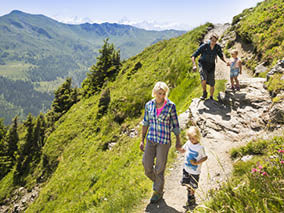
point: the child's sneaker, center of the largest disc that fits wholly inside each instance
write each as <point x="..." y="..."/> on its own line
<point x="233" y="88"/>
<point x="190" y="204"/>
<point x="156" y="197"/>
<point x="238" y="88"/>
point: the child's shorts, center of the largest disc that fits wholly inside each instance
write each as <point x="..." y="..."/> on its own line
<point x="190" y="179"/>
<point x="234" y="73"/>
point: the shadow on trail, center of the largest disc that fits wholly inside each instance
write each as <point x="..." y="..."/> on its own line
<point x="160" y="207"/>
<point x="215" y="108"/>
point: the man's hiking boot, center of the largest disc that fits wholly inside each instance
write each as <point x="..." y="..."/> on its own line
<point x="204" y="96"/>
<point x="211" y="98"/>
<point x="156" y="197"/>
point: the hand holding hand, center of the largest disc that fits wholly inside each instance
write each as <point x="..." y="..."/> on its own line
<point x="141" y="146"/>
<point x="178" y="147"/>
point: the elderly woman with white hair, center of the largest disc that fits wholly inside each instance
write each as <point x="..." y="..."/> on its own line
<point x="160" y="119"/>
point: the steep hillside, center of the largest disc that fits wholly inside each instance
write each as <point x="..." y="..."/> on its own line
<point x="40" y="50"/>
<point x="95" y="165"/>
<point x="262" y="28"/>
<point x="259" y="32"/>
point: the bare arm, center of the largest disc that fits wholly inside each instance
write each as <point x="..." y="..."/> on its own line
<point x="181" y="150"/>
<point x="194" y="162"/>
<point x="240" y="66"/>
<point x="193" y="62"/>
<point x="178" y="145"/>
<point x="144" y="132"/>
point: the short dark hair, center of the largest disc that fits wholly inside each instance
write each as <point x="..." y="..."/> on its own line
<point x="214" y="36"/>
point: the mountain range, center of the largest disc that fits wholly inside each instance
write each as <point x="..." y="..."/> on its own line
<point x="40" y="53"/>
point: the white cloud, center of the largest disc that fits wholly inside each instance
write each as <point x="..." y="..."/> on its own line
<point x="147" y="25"/>
<point x="154" y="25"/>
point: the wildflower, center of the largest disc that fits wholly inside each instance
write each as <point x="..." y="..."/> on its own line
<point x="282" y="161"/>
<point x="264" y="173"/>
<point x="281" y="151"/>
<point x="260" y="167"/>
<point x="253" y="170"/>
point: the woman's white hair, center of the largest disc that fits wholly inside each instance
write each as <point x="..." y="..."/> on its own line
<point x="160" y="85"/>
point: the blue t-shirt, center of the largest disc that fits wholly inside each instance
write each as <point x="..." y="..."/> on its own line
<point x="193" y="152"/>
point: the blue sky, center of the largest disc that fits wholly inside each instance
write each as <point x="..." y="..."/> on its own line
<point x="155" y="14"/>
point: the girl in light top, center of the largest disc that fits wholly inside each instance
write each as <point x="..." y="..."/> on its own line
<point x="235" y="69"/>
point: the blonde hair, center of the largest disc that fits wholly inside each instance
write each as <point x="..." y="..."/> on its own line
<point x="194" y="132"/>
<point x="234" y="51"/>
<point x="160" y="85"/>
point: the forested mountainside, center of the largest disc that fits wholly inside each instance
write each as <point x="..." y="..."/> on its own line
<point x="43" y="52"/>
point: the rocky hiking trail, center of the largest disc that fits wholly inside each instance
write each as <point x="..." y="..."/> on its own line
<point x="232" y="121"/>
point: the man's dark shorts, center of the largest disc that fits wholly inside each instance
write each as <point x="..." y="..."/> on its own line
<point x="207" y="73"/>
<point x="190" y="179"/>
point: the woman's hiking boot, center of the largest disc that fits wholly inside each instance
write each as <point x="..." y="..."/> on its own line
<point x="156" y="197"/>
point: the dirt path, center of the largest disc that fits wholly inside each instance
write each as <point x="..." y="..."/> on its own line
<point x="215" y="170"/>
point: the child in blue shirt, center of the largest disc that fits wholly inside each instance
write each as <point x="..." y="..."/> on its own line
<point x="194" y="157"/>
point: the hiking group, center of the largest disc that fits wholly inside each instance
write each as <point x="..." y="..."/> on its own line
<point x="160" y="119"/>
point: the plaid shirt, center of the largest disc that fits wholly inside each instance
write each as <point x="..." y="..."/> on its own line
<point x="160" y="127"/>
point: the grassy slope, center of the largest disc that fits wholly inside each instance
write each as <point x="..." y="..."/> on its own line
<point x="257" y="185"/>
<point x="263" y="28"/>
<point x="89" y="179"/>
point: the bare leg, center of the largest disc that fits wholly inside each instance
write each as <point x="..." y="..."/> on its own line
<point x="237" y="81"/>
<point x="232" y="82"/>
<point x="203" y="83"/>
<point x="211" y="91"/>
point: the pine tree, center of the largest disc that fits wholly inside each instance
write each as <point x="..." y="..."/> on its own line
<point x="28" y="147"/>
<point x="38" y="136"/>
<point x="13" y="139"/>
<point x="62" y="100"/>
<point x="26" y="151"/>
<point x="5" y="161"/>
<point x="3" y="129"/>
<point x="65" y="97"/>
<point x="106" y="69"/>
<point x="8" y="147"/>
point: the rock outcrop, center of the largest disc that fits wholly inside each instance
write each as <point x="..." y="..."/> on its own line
<point x="236" y="115"/>
<point x="20" y="199"/>
<point x="278" y="68"/>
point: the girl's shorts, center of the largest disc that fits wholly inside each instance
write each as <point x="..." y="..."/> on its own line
<point x="234" y="73"/>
